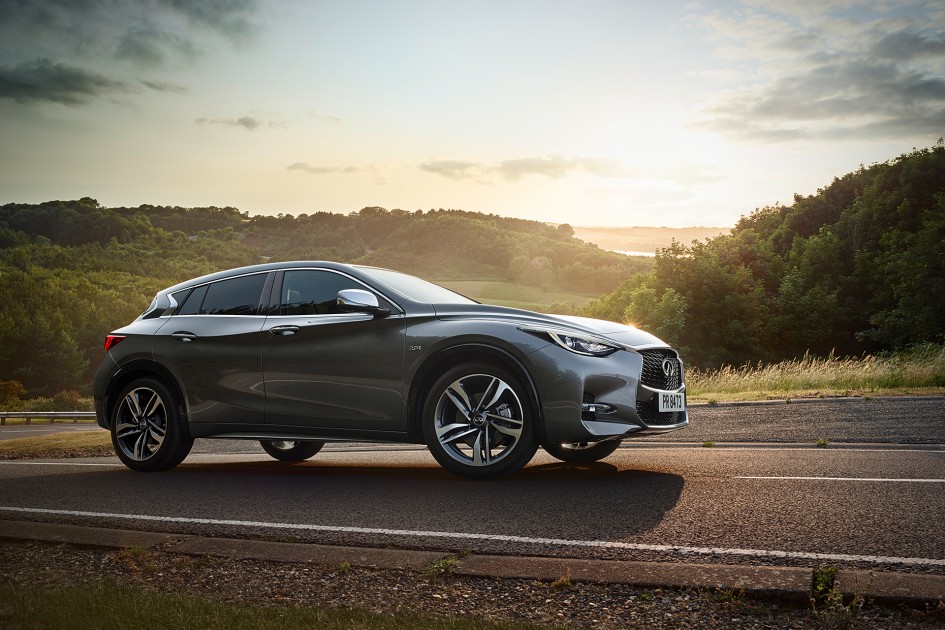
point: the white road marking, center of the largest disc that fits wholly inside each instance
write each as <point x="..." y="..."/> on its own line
<point x="678" y="549"/>
<point x="870" y="479"/>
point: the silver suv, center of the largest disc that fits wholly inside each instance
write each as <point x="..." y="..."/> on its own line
<point x="295" y="354"/>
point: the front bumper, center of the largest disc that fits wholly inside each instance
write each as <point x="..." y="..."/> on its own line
<point x="591" y="399"/>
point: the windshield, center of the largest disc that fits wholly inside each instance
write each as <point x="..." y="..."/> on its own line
<point x="416" y="289"/>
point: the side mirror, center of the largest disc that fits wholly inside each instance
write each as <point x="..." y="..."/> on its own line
<point x="359" y="301"/>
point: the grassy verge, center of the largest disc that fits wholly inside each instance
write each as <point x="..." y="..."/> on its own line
<point x="918" y="371"/>
<point x="71" y="444"/>
<point x="107" y="605"/>
<point x="40" y="419"/>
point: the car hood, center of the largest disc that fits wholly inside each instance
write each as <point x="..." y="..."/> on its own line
<point x="626" y="335"/>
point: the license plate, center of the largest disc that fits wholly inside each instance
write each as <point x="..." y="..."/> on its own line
<point x="671" y="401"/>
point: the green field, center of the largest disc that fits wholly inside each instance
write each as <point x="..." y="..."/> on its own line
<point x="105" y="605"/>
<point x="512" y="294"/>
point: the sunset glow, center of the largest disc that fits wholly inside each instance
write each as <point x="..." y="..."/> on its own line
<point x="592" y="113"/>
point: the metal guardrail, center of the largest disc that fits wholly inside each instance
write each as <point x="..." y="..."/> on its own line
<point x="52" y="416"/>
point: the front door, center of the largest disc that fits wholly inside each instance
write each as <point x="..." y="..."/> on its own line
<point x="328" y="369"/>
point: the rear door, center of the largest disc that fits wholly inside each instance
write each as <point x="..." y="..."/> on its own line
<point x="328" y="369"/>
<point x="214" y="346"/>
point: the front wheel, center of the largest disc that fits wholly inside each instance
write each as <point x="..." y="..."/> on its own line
<point x="147" y="431"/>
<point x="582" y="452"/>
<point x="477" y="422"/>
<point x="291" y="450"/>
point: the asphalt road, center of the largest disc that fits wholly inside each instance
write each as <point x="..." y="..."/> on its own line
<point x="874" y="498"/>
<point x="894" y="420"/>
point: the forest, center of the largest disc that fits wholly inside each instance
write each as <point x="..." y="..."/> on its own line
<point x="71" y="271"/>
<point x="858" y="267"/>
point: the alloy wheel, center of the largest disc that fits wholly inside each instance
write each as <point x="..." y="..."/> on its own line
<point x="141" y="424"/>
<point x="478" y="420"/>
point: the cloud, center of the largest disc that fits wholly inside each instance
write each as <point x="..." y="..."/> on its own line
<point x="250" y="123"/>
<point x="843" y="69"/>
<point x="152" y="47"/>
<point x="554" y="167"/>
<point x="44" y="80"/>
<point x="305" y="167"/>
<point x="908" y="45"/>
<point x="165" y="86"/>
<point x="452" y="169"/>
<point x="231" y="18"/>
<point x="146" y="33"/>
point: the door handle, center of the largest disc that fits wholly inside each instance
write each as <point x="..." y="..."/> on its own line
<point x="284" y="331"/>
<point x="184" y="336"/>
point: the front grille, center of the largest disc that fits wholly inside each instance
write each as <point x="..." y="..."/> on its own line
<point x="654" y="376"/>
<point x="649" y="412"/>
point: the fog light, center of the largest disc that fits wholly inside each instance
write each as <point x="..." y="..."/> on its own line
<point x="598" y="408"/>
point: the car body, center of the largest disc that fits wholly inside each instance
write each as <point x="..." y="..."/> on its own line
<point x="294" y="354"/>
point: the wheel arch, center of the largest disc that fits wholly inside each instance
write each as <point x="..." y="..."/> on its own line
<point x="142" y="368"/>
<point x="438" y="362"/>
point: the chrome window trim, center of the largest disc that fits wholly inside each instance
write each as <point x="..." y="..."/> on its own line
<point x="256" y="273"/>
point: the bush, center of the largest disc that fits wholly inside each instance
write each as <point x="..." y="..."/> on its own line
<point x="11" y="394"/>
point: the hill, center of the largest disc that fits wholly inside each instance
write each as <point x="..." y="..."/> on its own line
<point x="70" y="271"/>
<point x="858" y="267"/>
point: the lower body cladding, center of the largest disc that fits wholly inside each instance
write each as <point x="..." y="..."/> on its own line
<point x="592" y="399"/>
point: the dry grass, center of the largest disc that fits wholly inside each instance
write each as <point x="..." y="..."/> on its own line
<point x="66" y="444"/>
<point x="920" y="370"/>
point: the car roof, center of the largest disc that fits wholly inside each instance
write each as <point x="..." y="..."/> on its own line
<point x="240" y="271"/>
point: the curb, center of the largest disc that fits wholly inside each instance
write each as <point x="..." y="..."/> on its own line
<point x="792" y="583"/>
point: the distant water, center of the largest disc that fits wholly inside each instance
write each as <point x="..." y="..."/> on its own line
<point x="633" y="253"/>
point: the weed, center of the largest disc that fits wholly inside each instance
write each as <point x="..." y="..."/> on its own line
<point x="827" y="600"/>
<point x="729" y="595"/>
<point x="713" y="402"/>
<point x="440" y="568"/>
<point x="564" y="581"/>
<point x="822" y="443"/>
<point x="344" y="567"/>
<point x="708" y="444"/>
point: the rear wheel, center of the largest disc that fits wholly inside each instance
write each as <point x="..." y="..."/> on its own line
<point x="147" y="431"/>
<point x="477" y="422"/>
<point x="582" y="452"/>
<point x="291" y="450"/>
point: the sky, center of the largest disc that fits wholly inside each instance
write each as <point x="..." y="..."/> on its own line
<point x="589" y="112"/>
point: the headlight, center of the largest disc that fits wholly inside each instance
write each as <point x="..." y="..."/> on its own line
<point x="583" y="345"/>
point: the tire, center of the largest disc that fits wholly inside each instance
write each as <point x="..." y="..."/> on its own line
<point x="291" y="450"/>
<point x="473" y="440"/>
<point x="582" y="453"/>
<point x="148" y="433"/>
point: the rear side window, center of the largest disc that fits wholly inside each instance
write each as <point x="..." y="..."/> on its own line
<point x="237" y="296"/>
<point x="191" y="305"/>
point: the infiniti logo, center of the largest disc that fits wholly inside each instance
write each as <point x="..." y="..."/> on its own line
<point x="670" y="368"/>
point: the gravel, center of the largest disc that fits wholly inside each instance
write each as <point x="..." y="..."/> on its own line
<point x="389" y="592"/>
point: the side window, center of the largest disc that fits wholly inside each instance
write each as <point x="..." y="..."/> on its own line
<point x="238" y="296"/>
<point x="313" y="292"/>
<point x="191" y="305"/>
